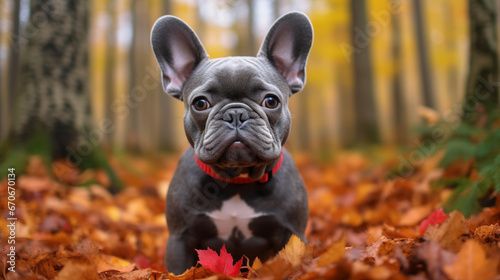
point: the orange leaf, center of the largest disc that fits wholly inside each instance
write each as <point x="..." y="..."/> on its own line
<point x="112" y="263"/>
<point x="294" y="250"/>
<point x="256" y="264"/>
<point x="194" y="272"/>
<point x="78" y="271"/>
<point x="276" y="268"/>
<point x="333" y="254"/>
<point x="472" y="264"/>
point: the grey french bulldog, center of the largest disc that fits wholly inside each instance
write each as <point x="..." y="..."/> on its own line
<point x="236" y="185"/>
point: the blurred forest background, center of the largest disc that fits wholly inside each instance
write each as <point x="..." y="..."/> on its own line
<point x="377" y="69"/>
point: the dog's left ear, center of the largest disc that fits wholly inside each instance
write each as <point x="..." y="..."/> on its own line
<point x="287" y="45"/>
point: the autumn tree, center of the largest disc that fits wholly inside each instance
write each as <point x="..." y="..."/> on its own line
<point x="364" y="100"/>
<point x="53" y="113"/>
<point x="482" y="83"/>
<point x="423" y="53"/>
<point x="474" y="143"/>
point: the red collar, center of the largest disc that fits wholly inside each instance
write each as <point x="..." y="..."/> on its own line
<point x="239" y="180"/>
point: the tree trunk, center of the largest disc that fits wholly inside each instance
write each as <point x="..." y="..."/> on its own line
<point x="399" y="116"/>
<point x="53" y="95"/>
<point x="250" y="29"/>
<point x="481" y="96"/>
<point x="366" y="117"/>
<point x="110" y="62"/>
<point x="243" y="27"/>
<point x="167" y="105"/>
<point x="425" y="69"/>
<point x="8" y="99"/>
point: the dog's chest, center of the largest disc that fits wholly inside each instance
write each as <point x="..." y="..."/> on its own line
<point x="234" y="213"/>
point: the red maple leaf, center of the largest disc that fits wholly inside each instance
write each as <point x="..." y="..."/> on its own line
<point x="436" y="218"/>
<point x="222" y="264"/>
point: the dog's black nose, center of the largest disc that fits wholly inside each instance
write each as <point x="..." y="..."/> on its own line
<point x="236" y="116"/>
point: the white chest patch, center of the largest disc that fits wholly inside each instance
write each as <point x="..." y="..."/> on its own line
<point x="233" y="213"/>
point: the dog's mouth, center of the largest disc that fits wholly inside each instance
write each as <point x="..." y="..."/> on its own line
<point x="238" y="140"/>
<point x="237" y="155"/>
<point x="239" y="160"/>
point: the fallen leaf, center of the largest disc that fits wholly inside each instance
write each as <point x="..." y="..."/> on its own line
<point x="36" y="167"/>
<point x="294" y="250"/>
<point x="487" y="234"/>
<point x="472" y="264"/>
<point x="222" y="264"/>
<point x="192" y="273"/>
<point x="276" y="269"/>
<point x="78" y="271"/>
<point x="34" y="184"/>
<point x="436" y="218"/>
<point x="435" y="258"/>
<point x="450" y="234"/>
<point x="257" y="264"/>
<point x="143" y="274"/>
<point x="333" y="254"/>
<point x="112" y="263"/>
<point x="363" y="271"/>
<point x="415" y="215"/>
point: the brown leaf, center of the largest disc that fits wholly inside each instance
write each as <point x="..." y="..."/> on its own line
<point x="194" y="272"/>
<point x="435" y="258"/>
<point x="333" y="254"/>
<point x="36" y="167"/>
<point x="472" y="264"/>
<point x="363" y="271"/>
<point x="141" y="274"/>
<point x="65" y="172"/>
<point x="276" y="269"/>
<point x="46" y="266"/>
<point x="112" y="263"/>
<point x="78" y="271"/>
<point x="450" y="234"/>
<point x="34" y="184"/>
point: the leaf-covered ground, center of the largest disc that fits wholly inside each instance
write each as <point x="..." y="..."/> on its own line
<point x="361" y="225"/>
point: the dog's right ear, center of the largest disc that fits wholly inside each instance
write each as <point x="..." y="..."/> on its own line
<point x="178" y="51"/>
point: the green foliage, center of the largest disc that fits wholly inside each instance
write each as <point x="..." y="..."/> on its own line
<point x="492" y="174"/>
<point x="458" y="149"/>
<point x="17" y="156"/>
<point x="465" y="197"/>
<point x="483" y="146"/>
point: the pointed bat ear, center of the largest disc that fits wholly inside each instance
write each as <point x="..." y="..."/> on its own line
<point x="287" y="45"/>
<point x="178" y="52"/>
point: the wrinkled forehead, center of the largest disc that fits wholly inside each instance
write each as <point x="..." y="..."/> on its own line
<point x="237" y="75"/>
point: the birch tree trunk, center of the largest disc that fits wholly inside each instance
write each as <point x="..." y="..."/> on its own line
<point x="53" y="95"/>
<point x="481" y="95"/>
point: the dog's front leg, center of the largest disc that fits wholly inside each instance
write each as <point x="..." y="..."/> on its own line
<point x="178" y="257"/>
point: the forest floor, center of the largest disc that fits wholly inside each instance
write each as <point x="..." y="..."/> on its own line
<point x="361" y="225"/>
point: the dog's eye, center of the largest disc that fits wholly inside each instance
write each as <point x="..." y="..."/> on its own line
<point x="270" y="102"/>
<point x="201" y="104"/>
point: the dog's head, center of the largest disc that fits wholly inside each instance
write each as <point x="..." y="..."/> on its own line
<point x="236" y="108"/>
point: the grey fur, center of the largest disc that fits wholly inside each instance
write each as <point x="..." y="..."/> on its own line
<point x="235" y="135"/>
